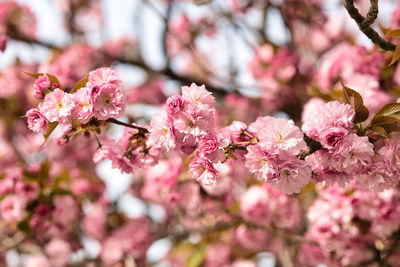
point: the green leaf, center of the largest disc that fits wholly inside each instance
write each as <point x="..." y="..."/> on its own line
<point x="53" y="79"/>
<point x="396" y="55"/>
<point x="354" y="99"/>
<point x="197" y="257"/>
<point x="80" y="84"/>
<point x="380" y="131"/>
<point x="389" y="109"/>
<point x="52" y="126"/>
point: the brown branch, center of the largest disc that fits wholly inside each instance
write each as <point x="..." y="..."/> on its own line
<point x="364" y="24"/>
<point x="371" y="15"/>
<point x="141" y="129"/>
<point x="218" y="91"/>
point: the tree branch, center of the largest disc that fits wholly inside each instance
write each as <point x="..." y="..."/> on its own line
<point x="218" y="91"/>
<point x="364" y="24"/>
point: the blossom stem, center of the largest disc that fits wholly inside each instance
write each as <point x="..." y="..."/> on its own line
<point x="98" y="141"/>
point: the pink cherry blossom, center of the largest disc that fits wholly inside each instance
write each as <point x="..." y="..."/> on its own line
<point x="37" y="122"/>
<point x="12" y="208"/>
<point x="284" y="172"/>
<point x="198" y="95"/>
<point x="162" y="132"/>
<point x="203" y="170"/>
<point x="37" y="260"/>
<point x="84" y="107"/>
<point x="58" y="251"/>
<point x="281" y="135"/>
<point x="175" y="104"/>
<point x="109" y="102"/>
<point x="101" y="76"/>
<point x="57" y="106"/>
<point x="42" y="82"/>
<point x="255" y="205"/>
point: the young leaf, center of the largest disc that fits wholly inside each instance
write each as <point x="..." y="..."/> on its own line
<point x="54" y="80"/>
<point x="391" y="128"/>
<point x="380" y="131"/>
<point x="355" y="100"/>
<point x="389" y="109"/>
<point x="80" y="84"/>
<point x="52" y="126"/>
<point x="34" y="75"/>
<point x="396" y="55"/>
<point x="393" y="33"/>
<point x="379" y="120"/>
<point x="362" y="114"/>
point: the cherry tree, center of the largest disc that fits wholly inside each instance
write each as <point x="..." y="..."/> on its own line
<point x="237" y="143"/>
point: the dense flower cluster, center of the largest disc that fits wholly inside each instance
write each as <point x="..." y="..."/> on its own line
<point x="187" y="123"/>
<point x="101" y="98"/>
<point x="232" y="144"/>
<point x="346" y="224"/>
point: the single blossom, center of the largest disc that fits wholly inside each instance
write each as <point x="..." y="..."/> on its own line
<point x="198" y="95"/>
<point x="84" y="107"/>
<point x="37" y="260"/>
<point x="208" y="146"/>
<point x="109" y="102"/>
<point x="12" y="208"/>
<point x="58" y="251"/>
<point x="101" y="76"/>
<point x="203" y="170"/>
<point x="37" y="122"/>
<point x="175" y="104"/>
<point x="280" y="134"/>
<point x="255" y="205"/>
<point x="29" y="191"/>
<point x="162" y="131"/>
<point x="57" y="106"/>
<point x="331" y="137"/>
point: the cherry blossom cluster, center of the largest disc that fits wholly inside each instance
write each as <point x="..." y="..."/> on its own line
<point x="101" y="99"/>
<point x="273" y="149"/>
<point x="345" y="155"/>
<point x="346" y="223"/>
<point x="186" y="124"/>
